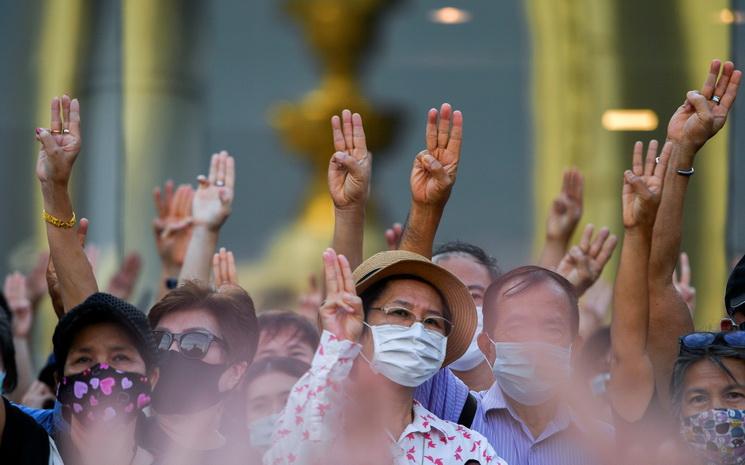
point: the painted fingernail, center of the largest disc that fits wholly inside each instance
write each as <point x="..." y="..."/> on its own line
<point x="38" y="130"/>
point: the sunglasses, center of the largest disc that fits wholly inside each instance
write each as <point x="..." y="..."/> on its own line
<point x="703" y="340"/>
<point x="192" y="344"/>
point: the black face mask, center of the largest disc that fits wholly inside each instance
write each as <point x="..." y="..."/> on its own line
<point x="186" y="385"/>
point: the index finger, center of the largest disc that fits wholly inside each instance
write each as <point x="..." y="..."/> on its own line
<point x="584" y="243"/>
<point x="597" y="244"/>
<point x="607" y="251"/>
<point x="56" y="123"/>
<point x="637" y="166"/>
<point x="339" y="144"/>
<point x="431" y="130"/>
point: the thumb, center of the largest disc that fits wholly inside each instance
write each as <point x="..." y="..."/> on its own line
<point x="83" y="231"/>
<point x="434" y="167"/>
<point x="699" y="102"/>
<point x="47" y="140"/>
<point x="638" y="185"/>
<point x="348" y="162"/>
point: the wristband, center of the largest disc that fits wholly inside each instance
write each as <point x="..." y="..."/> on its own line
<point x="58" y="223"/>
<point x="686" y="173"/>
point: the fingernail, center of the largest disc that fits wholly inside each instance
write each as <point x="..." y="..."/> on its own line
<point x="38" y="130"/>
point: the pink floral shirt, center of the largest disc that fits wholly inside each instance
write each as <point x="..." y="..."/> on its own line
<point x="305" y="435"/>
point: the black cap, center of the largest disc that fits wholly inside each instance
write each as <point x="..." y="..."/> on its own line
<point x="104" y="308"/>
<point x="734" y="297"/>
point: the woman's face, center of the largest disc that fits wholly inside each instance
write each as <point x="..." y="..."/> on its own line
<point x="706" y="386"/>
<point x="103" y="343"/>
<point x="190" y="320"/>
<point x="267" y="395"/>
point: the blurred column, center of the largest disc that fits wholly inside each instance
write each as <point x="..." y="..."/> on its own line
<point x="735" y="211"/>
<point x="162" y="114"/>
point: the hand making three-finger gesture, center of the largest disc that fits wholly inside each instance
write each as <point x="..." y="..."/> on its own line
<point x="341" y="312"/>
<point x="642" y="186"/>
<point x="351" y="165"/>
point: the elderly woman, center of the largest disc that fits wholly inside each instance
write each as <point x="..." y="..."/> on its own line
<point x="708" y="394"/>
<point x="386" y="330"/>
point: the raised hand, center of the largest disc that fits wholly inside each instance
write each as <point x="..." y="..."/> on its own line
<point x="173" y="225"/>
<point x="38" y="396"/>
<point x="642" y="186"/>
<point x="393" y="236"/>
<point x="61" y="143"/>
<point x="435" y="168"/>
<point x="213" y="199"/>
<point x="36" y="283"/>
<point x="341" y="313"/>
<point x="683" y="283"/>
<point x="223" y="268"/>
<point x="16" y="294"/>
<point x="701" y="116"/>
<point x="310" y="301"/>
<point x="351" y="165"/>
<point x="584" y="263"/>
<point x="566" y="209"/>
<point x="124" y="280"/>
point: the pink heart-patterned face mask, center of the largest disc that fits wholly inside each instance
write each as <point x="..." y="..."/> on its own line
<point x="103" y="394"/>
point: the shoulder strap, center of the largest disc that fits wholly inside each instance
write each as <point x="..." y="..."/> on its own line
<point x="468" y="412"/>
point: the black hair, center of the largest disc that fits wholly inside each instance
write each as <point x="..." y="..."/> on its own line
<point x="287" y="365"/>
<point x="8" y="355"/>
<point x="715" y="353"/>
<point x="274" y="322"/>
<point x="459" y="248"/>
<point x="372" y="293"/>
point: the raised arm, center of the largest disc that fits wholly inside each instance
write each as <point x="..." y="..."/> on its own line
<point x="349" y="184"/>
<point x="19" y="304"/>
<point x="211" y="206"/>
<point x="583" y="263"/>
<point x="60" y="146"/>
<point x="172" y="228"/>
<point x="563" y="218"/>
<point x="632" y="377"/>
<point x="432" y="179"/>
<point x="695" y="122"/>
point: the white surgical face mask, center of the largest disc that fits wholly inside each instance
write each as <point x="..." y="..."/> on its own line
<point x="516" y="370"/>
<point x="408" y="356"/>
<point x="260" y="432"/>
<point x="473" y="356"/>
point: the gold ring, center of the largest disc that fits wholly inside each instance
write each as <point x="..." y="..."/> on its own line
<point x="56" y="131"/>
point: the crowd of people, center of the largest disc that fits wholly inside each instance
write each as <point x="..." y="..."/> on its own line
<point x="419" y="354"/>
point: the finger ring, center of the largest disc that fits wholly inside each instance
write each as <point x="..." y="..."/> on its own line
<point x="65" y="131"/>
<point x="56" y="131"/>
<point x="716" y="99"/>
<point x="220" y="183"/>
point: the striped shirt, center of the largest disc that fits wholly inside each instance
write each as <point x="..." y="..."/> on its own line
<point x="559" y="444"/>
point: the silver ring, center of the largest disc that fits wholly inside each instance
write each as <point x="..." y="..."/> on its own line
<point x="657" y="161"/>
<point x="220" y="183"/>
<point x="716" y="99"/>
<point x="65" y="131"/>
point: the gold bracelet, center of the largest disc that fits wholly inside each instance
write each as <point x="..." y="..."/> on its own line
<point x="58" y="223"/>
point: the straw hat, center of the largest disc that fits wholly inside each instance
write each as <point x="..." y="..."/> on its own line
<point x="400" y="262"/>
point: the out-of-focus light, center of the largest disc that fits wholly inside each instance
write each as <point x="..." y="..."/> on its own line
<point x="630" y="120"/>
<point x="450" y="15"/>
<point x="727" y="16"/>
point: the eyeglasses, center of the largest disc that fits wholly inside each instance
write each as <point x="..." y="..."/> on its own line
<point x="397" y="315"/>
<point x="193" y="344"/>
<point x="703" y="340"/>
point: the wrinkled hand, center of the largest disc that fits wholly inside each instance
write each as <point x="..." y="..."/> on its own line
<point x="700" y="118"/>
<point x="584" y="263"/>
<point x="566" y="209"/>
<point x="213" y="199"/>
<point x="173" y="225"/>
<point x="124" y="280"/>
<point x="341" y="313"/>
<point x="53" y="285"/>
<point x="16" y="294"/>
<point x="435" y="168"/>
<point x="36" y="283"/>
<point x="683" y="284"/>
<point x="38" y="395"/>
<point x="393" y="236"/>
<point x="223" y="267"/>
<point x="642" y="186"/>
<point x="61" y="143"/>
<point x="350" y="167"/>
<point x="310" y="301"/>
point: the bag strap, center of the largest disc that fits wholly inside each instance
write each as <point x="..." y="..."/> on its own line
<point x="468" y="412"/>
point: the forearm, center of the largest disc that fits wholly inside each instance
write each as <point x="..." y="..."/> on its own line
<point x="553" y="251"/>
<point x="421" y="228"/>
<point x="349" y="228"/>
<point x="198" y="260"/>
<point x="74" y="271"/>
<point x="25" y="369"/>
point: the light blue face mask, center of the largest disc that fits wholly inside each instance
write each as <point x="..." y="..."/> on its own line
<point x="2" y="381"/>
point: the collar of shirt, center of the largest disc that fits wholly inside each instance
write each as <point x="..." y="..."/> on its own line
<point x="494" y="399"/>
<point x="423" y="422"/>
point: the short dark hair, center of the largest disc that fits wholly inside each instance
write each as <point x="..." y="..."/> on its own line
<point x="8" y="354"/>
<point x="523" y="278"/>
<point x="287" y="365"/>
<point x="231" y="306"/>
<point x="372" y="293"/>
<point x="274" y="322"/>
<point x="459" y="248"/>
<point x="686" y="359"/>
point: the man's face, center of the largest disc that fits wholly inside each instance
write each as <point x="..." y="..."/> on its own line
<point x="419" y="298"/>
<point x="286" y="343"/>
<point x="103" y="343"/>
<point x="268" y="394"/>
<point x="706" y="386"/>
<point x="471" y="273"/>
<point x="540" y="313"/>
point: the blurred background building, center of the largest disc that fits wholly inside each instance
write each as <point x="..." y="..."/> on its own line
<point x="543" y="85"/>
